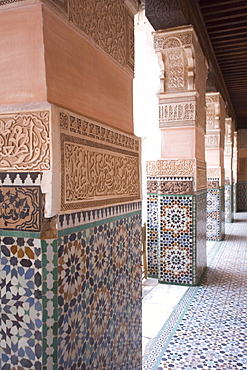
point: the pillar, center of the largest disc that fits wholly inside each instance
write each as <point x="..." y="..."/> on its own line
<point x="235" y="170"/>
<point x="228" y="160"/>
<point x="242" y="171"/>
<point x="214" y="146"/>
<point x="176" y="182"/>
<point x="70" y="219"/>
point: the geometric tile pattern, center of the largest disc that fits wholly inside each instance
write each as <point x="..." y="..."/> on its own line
<point x="99" y="297"/>
<point x="215" y="209"/>
<point x="152" y="234"/>
<point x="228" y="203"/>
<point x="241" y="196"/>
<point x="20" y="208"/>
<point x="50" y="303"/>
<point x="200" y="249"/>
<point x="21" y="303"/>
<point x="176" y="239"/>
<point x="208" y="329"/>
<point x="73" y="302"/>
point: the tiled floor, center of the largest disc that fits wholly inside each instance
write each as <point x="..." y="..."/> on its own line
<point x="207" y="327"/>
<point x="159" y="301"/>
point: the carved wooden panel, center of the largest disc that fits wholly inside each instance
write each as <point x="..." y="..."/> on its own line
<point x="25" y="141"/>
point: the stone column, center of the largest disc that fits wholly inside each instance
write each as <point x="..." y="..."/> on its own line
<point x="214" y="146"/>
<point x="177" y="182"/>
<point x="235" y="170"/>
<point x="242" y="171"/>
<point x="70" y="198"/>
<point x="228" y="162"/>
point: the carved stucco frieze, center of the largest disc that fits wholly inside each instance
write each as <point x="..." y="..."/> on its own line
<point x="212" y="141"/>
<point x="100" y="165"/>
<point x="109" y="25"/>
<point x="201" y="178"/>
<point x="213" y="183"/>
<point x="25" y="141"/>
<point x="213" y="172"/>
<point x="87" y="128"/>
<point x="170" y="186"/>
<point x="168" y="42"/>
<point x="179" y="167"/>
<point x="183" y="113"/>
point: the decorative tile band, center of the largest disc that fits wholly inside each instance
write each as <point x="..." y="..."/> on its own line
<point x="20" y="208"/>
<point x="84" y="217"/>
<point x="20" y="178"/>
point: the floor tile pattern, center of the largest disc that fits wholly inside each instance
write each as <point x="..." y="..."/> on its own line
<point x="152" y="235"/>
<point x="228" y="203"/>
<point x="241" y="196"/>
<point x="208" y="328"/>
<point x="214" y="214"/>
<point x="21" y="303"/>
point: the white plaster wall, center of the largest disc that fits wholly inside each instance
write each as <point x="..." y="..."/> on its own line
<point x="146" y="106"/>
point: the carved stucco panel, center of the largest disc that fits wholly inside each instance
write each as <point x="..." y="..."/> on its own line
<point x="179" y="167"/>
<point x="25" y="141"/>
<point x="107" y="24"/>
<point x="201" y="178"/>
<point x="212" y="141"/>
<point x="95" y="174"/>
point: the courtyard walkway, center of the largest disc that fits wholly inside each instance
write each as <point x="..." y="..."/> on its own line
<point x="204" y="327"/>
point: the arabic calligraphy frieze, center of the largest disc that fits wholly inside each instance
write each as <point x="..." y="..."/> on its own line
<point x="94" y="174"/>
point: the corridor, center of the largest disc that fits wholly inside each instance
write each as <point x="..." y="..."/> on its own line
<point x="207" y="328"/>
